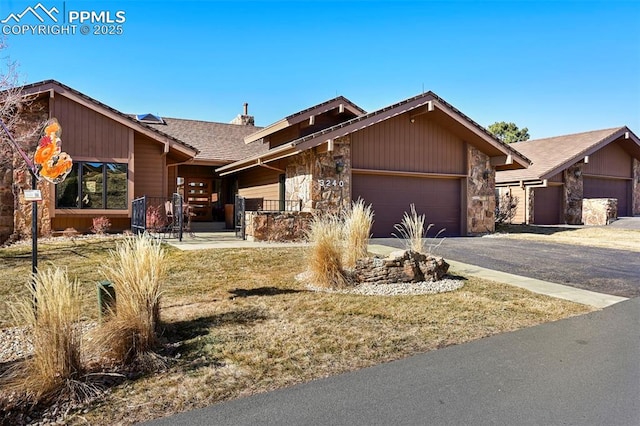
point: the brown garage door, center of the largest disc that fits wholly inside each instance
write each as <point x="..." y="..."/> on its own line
<point x="547" y="205"/>
<point x="610" y="188"/>
<point x="391" y="196"/>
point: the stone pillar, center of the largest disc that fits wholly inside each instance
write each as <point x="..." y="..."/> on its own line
<point x="27" y="132"/>
<point x="573" y="194"/>
<point x="6" y="202"/>
<point x="481" y="200"/>
<point x="636" y="187"/>
<point x="313" y="177"/>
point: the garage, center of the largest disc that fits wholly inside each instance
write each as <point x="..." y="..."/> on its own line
<point x="547" y="204"/>
<point x="391" y="196"/>
<point x="610" y="188"/>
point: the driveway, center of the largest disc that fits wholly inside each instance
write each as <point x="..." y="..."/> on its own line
<point x="615" y="272"/>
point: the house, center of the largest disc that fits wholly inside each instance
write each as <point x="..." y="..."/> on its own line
<point x="568" y="169"/>
<point x="420" y="151"/>
<point x="118" y="157"/>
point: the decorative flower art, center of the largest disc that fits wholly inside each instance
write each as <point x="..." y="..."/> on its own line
<point x="50" y="163"/>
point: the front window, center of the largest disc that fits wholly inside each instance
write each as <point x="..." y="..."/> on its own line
<point x="93" y="185"/>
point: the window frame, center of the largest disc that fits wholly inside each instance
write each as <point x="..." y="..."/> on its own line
<point x="78" y="207"/>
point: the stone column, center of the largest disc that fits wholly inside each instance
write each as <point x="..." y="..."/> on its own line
<point x="481" y="200"/>
<point x="573" y="194"/>
<point x="332" y="177"/>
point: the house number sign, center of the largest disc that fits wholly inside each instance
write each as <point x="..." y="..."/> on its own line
<point x="328" y="183"/>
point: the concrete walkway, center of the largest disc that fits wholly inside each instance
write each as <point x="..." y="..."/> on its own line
<point x="220" y="240"/>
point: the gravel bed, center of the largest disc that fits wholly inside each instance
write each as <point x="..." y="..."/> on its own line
<point x="396" y="289"/>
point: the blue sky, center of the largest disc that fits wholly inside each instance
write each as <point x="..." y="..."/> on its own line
<point x="555" y="67"/>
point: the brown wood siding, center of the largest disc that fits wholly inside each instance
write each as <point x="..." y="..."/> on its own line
<point x="439" y="199"/>
<point x="89" y="135"/>
<point x="520" y="215"/>
<point x="150" y="168"/>
<point x="398" y="144"/>
<point x="611" y="160"/>
<point x="259" y="182"/>
<point x="610" y="188"/>
<point x="547" y="205"/>
<point x="83" y="224"/>
<point x="556" y="178"/>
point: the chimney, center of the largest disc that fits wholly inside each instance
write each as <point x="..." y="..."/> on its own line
<point x="244" y="119"/>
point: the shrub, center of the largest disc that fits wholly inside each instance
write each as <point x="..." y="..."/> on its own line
<point x="506" y="208"/>
<point x="325" y="260"/>
<point x="155" y="218"/>
<point x="52" y="315"/>
<point x="100" y="225"/>
<point x="358" y="221"/>
<point x="136" y="269"/>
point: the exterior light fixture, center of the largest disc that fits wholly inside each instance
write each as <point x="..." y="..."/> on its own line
<point x="339" y="166"/>
<point x="577" y="173"/>
<point x="486" y="174"/>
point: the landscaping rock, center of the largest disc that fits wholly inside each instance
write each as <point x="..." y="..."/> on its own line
<point x="400" y="267"/>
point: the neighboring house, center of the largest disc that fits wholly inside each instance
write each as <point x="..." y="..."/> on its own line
<point x="421" y="150"/>
<point x="117" y="157"/>
<point x="567" y="169"/>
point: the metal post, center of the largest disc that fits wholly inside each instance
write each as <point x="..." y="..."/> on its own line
<point x="34" y="241"/>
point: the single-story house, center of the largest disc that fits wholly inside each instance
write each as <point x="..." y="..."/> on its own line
<point x="568" y="169"/>
<point x="118" y="157"/>
<point x="420" y="151"/>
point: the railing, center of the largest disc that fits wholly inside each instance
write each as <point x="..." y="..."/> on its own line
<point x="139" y="215"/>
<point x="262" y="205"/>
<point x="165" y="216"/>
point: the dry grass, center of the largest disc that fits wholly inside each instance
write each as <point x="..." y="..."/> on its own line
<point x="136" y="268"/>
<point x="605" y="237"/>
<point x="56" y="362"/>
<point x="358" y="221"/>
<point x="412" y="230"/>
<point x="238" y="323"/>
<point x="324" y="259"/>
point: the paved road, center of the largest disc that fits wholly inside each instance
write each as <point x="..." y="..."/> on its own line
<point x="581" y="371"/>
<point x="609" y="271"/>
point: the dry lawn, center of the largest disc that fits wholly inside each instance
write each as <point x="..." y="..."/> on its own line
<point x="238" y="323"/>
<point x="605" y="237"/>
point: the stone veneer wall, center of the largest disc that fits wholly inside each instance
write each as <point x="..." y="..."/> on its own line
<point x="573" y="193"/>
<point x="312" y="178"/>
<point x="636" y="187"/>
<point x="599" y="211"/>
<point x="481" y="200"/>
<point x="15" y="213"/>
<point x="277" y="226"/>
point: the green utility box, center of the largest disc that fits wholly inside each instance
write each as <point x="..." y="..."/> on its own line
<point x="106" y="299"/>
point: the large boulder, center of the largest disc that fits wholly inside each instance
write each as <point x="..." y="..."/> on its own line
<point x="403" y="266"/>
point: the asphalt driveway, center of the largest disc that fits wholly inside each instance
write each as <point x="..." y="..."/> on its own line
<point x="615" y="272"/>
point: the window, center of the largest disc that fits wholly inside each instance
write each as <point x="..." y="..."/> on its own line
<point x="94" y="186"/>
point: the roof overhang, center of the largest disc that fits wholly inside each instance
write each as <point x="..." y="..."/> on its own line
<point x="336" y="105"/>
<point x="52" y="87"/>
<point x="502" y="156"/>
<point x="623" y="136"/>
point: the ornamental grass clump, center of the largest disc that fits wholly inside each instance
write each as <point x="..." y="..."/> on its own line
<point x="136" y="269"/>
<point x="325" y="254"/>
<point x="358" y="221"/>
<point x="413" y="232"/>
<point x="52" y="316"/>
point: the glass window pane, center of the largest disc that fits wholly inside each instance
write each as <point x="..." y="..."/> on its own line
<point x="67" y="190"/>
<point x="92" y="179"/>
<point x="116" y="186"/>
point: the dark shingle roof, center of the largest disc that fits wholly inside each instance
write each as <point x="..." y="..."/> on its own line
<point x="215" y="141"/>
<point x="550" y="153"/>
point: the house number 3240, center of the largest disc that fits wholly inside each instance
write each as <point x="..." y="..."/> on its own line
<point x="328" y="183"/>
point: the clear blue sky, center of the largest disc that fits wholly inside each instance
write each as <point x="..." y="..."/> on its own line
<point x="554" y="67"/>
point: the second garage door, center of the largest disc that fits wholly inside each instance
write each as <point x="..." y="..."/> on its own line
<point x="391" y="196"/>
<point x="610" y="188"/>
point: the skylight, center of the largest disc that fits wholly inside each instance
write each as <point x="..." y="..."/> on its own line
<point x="149" y="119"/>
